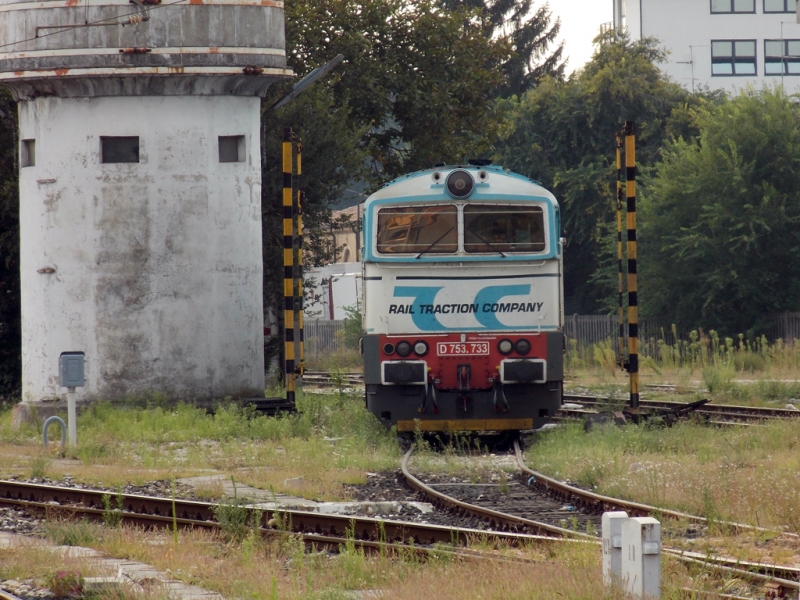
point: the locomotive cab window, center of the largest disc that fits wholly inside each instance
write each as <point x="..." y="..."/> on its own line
<point x="416" y="229"/>
<point x="492" y="228"/>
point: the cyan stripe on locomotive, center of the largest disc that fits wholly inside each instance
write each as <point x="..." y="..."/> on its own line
<point x="463" y="301"/>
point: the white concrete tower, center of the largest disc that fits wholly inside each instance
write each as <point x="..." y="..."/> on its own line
<point x="140" y="191"/>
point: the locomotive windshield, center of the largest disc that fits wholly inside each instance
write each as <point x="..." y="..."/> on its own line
<point x="492" y="228"/>
<point x="415" y="229"/>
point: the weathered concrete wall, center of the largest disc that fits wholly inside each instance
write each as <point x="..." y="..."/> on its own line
<point x="157" y="269"/>
<point x="208" y="47"/>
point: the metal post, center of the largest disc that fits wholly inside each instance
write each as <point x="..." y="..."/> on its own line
<point x="301" y="335"/>
<point x="72" y="418"/>
<point x="633" y="303"/>
<point x="620" y="288"/>
<point x="288" y="266"/>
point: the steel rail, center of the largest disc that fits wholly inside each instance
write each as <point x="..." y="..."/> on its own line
<point x="762" y="572"/>
<point x="733" y="410"/>
<point x="495" y="518"/>
<point x="148" y="511"/>
<point x="587" y="498"/>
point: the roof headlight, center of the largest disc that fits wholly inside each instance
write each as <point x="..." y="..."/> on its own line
<point x="460" y="184"/>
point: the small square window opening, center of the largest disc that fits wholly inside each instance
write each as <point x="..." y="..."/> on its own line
<point x="231" y="148"/>
<point x="27" y="153"/>
<point x="119" y="149"/>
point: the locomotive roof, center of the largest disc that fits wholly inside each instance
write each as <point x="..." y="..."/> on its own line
<point x="498" y="184"/>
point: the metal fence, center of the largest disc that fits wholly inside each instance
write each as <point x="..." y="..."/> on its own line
<point x="591" y="329"/>
<point x="322" y="337"/>
<point x="784" y="326"/>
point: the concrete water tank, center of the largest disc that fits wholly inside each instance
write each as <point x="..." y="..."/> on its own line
<point x="140" y="191"/>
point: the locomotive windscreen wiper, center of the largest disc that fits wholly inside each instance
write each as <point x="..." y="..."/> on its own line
<point x="492" y="246"/>
<point x="439" y="239"/>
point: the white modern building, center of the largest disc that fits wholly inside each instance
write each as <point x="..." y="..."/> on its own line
<point x="720" y="44"/>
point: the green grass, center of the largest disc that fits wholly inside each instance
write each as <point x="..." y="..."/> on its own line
<point x="330" y="441"/>
<point x="742" y="474"/>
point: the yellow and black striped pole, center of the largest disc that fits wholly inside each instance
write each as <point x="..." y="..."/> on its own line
<point x="288" y="267"/>
<point x="633" y="303"/>
<point x="300" y="337"/>
<point x="620" y="288"/>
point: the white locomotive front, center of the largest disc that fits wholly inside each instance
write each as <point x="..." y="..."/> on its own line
<point x="463" y="302"/>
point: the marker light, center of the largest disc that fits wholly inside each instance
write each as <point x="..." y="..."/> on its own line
<point x="505" y="346"/>
<point x="523" y="347"/>
<point x="403" y="348"/>
<point x="388" y="348"/>
<point x="420" y="348"/>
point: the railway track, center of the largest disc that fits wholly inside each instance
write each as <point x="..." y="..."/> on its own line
<point x="331" y="532"/>
<point x="716" y="413"/>
<point x="318" y="530"/>
<point x="591" y="505"/>
<point x="720" y="412"/>
<point x="323" y="379"/>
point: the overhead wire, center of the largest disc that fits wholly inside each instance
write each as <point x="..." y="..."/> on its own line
<point x="110" y="21"/>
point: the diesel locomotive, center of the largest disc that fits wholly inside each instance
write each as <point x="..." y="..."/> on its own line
<point x="463" y="301"/>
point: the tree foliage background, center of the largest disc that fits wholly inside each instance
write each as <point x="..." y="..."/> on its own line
<point x="562" y="133"/>
<point x="720" y="234"/>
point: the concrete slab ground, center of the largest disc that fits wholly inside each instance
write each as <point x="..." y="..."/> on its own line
<point x="267" y="500"/>
<point x="125" y="573"/>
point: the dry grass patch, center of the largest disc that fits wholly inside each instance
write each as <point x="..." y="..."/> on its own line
<point x="331" y="442"/>
<point x="747" y="475"/>
<point x="278" y="567"/>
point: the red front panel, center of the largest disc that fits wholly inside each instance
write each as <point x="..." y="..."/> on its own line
<point x="449" y="353"/>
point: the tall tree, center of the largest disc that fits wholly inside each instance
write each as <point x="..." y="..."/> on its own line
<point x="721" y="220"/>
<point x="422" y="78"/>
<point x="531" y="33"/>
<point x="10" y="319"/>
<point x="417" y="87"/>
<point x="562" y="134"/>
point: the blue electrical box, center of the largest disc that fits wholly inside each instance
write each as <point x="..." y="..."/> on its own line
<point x="70" y="369"/>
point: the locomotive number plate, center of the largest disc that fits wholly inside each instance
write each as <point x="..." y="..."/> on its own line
<point x="462" y="348"/>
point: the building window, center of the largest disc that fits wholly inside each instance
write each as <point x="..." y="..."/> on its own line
<point x="780" y="6"/>
<point x="733" y="57"/>
<point x="231" y="148"/>
<point x="27" y="153"/>
<point x="733" y="6"/>
<point x="119" y="149"/>
<point x="782" y="57"/>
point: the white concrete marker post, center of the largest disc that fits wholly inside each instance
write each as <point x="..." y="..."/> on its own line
<point x="612" y="546"/>
<point x="641" y="557"/>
